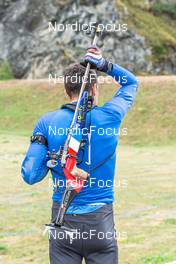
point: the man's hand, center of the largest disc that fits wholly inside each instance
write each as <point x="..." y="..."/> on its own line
<point x="95" y="58"/>
<point x="80" y="174"/>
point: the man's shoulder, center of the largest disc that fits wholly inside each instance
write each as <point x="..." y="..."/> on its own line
<point x="103" y="111"/>
<point x="47" y="116"/>
<point x="43" y="123"/>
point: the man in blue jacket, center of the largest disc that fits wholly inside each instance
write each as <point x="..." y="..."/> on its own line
<point x="91" y="211"/>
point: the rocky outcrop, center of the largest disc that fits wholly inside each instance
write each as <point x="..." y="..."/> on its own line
<point x="34" y="48"/>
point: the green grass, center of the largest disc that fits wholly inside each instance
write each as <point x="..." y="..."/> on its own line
<point x="3" y="249"/>
<point x="160" y="8"/>
<point x="151" y="120"/>
<point x="159" y="31"/>
<point x="5" y="72"/>
<point x="170" y="221"/>
<point x="145" y="212"/>
<point x="156" y="259"/>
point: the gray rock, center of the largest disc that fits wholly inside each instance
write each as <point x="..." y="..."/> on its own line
<point x="34" y="52"/>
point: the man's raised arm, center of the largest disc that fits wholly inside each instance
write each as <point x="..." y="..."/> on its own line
<point x="125" y="96"/>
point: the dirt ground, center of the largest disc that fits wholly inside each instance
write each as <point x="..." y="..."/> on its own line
<point x="45" y="82"/>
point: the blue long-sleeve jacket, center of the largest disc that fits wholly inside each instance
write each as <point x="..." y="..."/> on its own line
<point x="105" y="124"/>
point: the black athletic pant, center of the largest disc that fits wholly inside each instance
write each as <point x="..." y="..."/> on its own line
<point x="95" y="239"/>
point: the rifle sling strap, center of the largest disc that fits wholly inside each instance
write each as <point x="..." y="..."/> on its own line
<point x="72" y="107"/>
<point x="97" y="166"/>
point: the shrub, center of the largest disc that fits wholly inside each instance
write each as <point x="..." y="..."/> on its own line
<point x="5" y="71"/>
<point x="169" y="9"/>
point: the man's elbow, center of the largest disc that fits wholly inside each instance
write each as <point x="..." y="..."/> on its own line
<point x="28" y="176"/>
<point x="133" y="88"/>
<point x="135" y="82"/>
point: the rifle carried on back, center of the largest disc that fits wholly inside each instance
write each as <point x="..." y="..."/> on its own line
<point x="67" y="155"/>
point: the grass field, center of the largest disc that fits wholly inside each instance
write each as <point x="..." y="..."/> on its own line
<point x="145" y="213"/>
<point x="151" y="120"/>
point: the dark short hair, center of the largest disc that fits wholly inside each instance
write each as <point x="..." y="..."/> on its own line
<point x="73" y="78"/>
